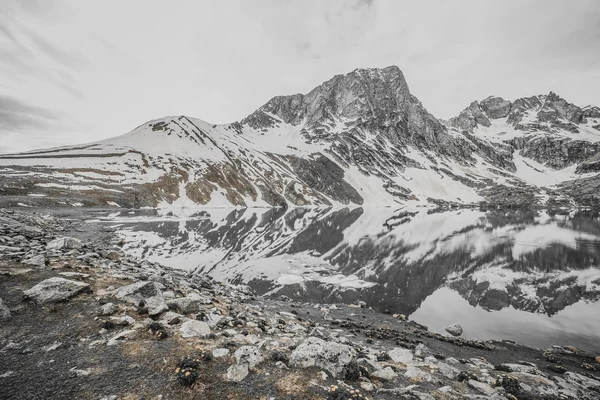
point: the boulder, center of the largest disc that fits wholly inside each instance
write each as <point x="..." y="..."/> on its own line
<point x="145" y="292"/>
<point x="186" y="305"/>
<point x="330" y="356"/>
<point x="4" y="311"/>
<point x="454" y="329"/>
<point x="399" y="355"/>
<point x="65" y="243"/>
<point x="194" y="328"/>
<point x="249" y="355"/>
<point x="55" y="290"/>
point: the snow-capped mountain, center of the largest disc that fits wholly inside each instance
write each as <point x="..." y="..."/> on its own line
<point x="357" y="139"/>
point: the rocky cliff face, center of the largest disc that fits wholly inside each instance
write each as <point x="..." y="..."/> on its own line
<point x="360" y="138"/>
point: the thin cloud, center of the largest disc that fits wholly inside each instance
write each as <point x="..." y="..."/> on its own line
<point x="16" y="115"/>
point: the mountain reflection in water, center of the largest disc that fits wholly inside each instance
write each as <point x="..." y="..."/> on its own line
<point x="528" y="276"/>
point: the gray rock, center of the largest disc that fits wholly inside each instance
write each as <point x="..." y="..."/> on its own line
<point x="127" y="334"/>
<point x="65" y="243"/>
<point x="186" y="305"/>
<point x="315" y="352"/>
<point x="422" y="351"/>
<point x="171" y="318"/>
<point x="55" y="290"/>
<point x="220" y="352"/>
<point x="4" y="311"/>
<point x="400" y="355"/>
<point x="454" y="329"/>
<point x="385" y="374"/>
<point x="237" y="372"/>
<point x="144" y="292"/>
<point x="249" y="355"/>
<point x="36" y="261"/>
<point x="481" y="387"/>
<point x="194" y="328"/>
<point x="108" y="309"/>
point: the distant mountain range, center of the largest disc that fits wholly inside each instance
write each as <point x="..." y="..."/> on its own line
<point x="360" y="139"/>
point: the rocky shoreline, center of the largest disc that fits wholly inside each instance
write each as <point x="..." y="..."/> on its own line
<point x="81" y="319"/>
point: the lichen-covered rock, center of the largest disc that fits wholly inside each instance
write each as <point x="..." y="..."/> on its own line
<point x="55" y="290"/>
<point x="330" y="356"/>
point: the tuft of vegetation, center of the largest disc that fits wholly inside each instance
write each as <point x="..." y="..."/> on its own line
<point x="158" y="330"/>
<point x="188" y="368"/>
<point x="342" y="393"/>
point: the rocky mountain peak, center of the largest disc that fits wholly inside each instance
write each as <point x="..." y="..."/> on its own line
<point x="545" y="112"/>
<point x="364" y="93"/>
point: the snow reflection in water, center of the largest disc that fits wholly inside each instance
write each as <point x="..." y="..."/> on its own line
<point x="528" y="276"/>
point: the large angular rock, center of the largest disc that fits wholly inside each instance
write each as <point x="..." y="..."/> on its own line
<point x="4" y="311"/>
<point x="315" y="352"/>
<point x="194" y="328"/>
<point x="385" y="374"/>
<point x="67" y="243"/>
<point x="237" y="372"/>
<point x="399" y="355"/>
<point x="187" y="305"/>
<point x="55" y="290"/>
<point x="147" y="293"/>
<point x="249" y="355"/>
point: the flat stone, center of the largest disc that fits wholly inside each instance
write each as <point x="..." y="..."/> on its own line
<point x="237" y="372"/>
<point x="221" y="352"/>
<point x="481" y="387"/>
<point x="74" y="275"/>
<point x="454" y="329"/>
<point x="194" y="328"/>
<point x="55" y="290"/>
<point x="385" y="374"/>
<point x="36" y="261"/>
<point x="65" y="243"/>
<point x="400" y="355"/>
<point x="128" y="334"/>
<point x="171" y="318"/>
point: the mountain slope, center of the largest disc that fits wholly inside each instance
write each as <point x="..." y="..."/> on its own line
<point x="358" y="139"/>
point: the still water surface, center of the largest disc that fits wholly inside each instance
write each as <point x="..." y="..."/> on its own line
<point x="527" y="276"/>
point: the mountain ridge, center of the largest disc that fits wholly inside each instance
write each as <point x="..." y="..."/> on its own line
<point x="359" y="139"/>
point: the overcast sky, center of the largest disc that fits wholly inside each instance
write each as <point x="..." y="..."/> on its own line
<point x="74" y="71"/>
